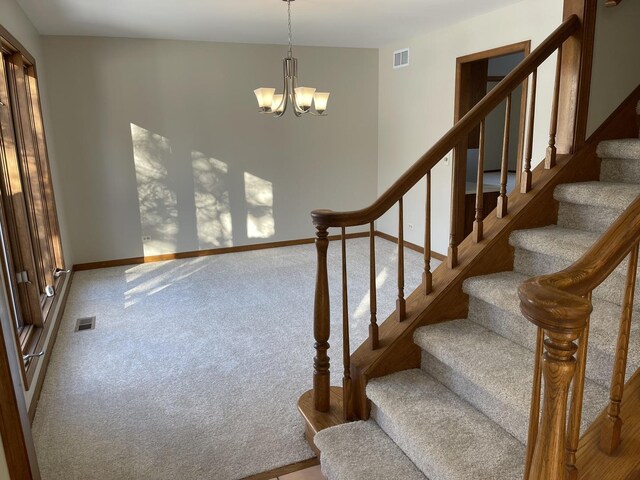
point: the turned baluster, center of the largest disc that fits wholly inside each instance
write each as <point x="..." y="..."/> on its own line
<point x="373" y="326"/>
<point x="550" y="158"/>
<point x="534" y="411"/>
<point x="401" y="303"/>
<point x="502" y="208"/>
<point x="478" y="222"/>
<point x="427" y="278"/>
<point x="611" y="430"/>
<point x="525" y="182"/>
<point x="457" y="202"/>
<point x="346" y="350"/>
<point x="558" y="368"/>
<point x="575" y="411"/>
<point x="321" y="325"/>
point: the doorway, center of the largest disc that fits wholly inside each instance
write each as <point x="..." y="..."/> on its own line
<point x="476" y="75"/>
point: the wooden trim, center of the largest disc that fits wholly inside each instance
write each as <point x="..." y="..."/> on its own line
<point x="278" y="472"/>
<point x="18" y="231"/>
<point x="45" y="168"/>
<point x="14" y="419"/>
<point x="205" y="253"/>
<point x="11" y="44"/>
<point x="55" y="324"/>
<point x="16" y="437"/>
<point x="29" y="180"/>
<point x="497" y="52"/>
<point x="462" y="105"/>
<point x="410" y="246"/>
<point x="575" y="82"/>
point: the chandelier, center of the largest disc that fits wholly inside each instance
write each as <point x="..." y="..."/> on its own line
<point x="301" y="98"/>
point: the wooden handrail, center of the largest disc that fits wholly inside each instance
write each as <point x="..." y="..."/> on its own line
<point x="329" y="218"/>
<point x="556" y="302"/>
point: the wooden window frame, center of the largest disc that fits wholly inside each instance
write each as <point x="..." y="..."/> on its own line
<point x="22" y="120"/>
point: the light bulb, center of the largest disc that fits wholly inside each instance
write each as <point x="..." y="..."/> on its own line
<point x="265" y="98"/>
<point x="320" y="100"/>
<point x="278" y="104"/>
<point x="304" y="97"/>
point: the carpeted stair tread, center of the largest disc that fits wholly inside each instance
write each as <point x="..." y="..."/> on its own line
<point x="616" y="196"/>
<point x="443" y="435"/>
<point x="492" y="373"/>
<point x="625" y="149"/>
<point x="494" y="304"/>
<point x="554" y="241"/>
<point x="362" y="451"/>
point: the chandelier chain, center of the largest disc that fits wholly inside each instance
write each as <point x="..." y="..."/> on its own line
<point x="290" y="34"/>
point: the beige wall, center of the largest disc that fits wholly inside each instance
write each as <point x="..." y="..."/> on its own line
<point x="416" y="102"/>
<point x="162" y="139"/>
<point x="616" y="59"/>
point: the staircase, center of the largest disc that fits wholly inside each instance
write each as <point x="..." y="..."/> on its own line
<point x="465" y="413"/>
<point x="510" y="359"/>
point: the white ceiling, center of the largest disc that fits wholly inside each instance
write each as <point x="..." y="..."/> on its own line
<point x="345" y="23"/>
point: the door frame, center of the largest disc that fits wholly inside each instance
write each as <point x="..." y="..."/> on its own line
<point x="462" y="104"/>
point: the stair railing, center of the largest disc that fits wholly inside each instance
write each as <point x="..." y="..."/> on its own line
<point x="560" y="306"/>
<point x="421" y="171"/>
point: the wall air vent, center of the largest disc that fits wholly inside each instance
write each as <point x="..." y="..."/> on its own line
<point x="401" y="58"/>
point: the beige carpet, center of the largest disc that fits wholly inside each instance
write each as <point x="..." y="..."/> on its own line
<point x="195" y="366"/>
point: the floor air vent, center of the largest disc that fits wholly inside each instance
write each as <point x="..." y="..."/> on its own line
<point x="87" y="323"/>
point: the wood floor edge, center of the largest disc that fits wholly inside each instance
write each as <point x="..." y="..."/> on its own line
<point x="205" y="253"/>
<point x="277" y="472"/>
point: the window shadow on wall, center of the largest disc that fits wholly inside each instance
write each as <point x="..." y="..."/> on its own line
<point x="215" y="212"/>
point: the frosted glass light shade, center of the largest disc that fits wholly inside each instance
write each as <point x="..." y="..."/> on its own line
<point x="304" y="97"/>
<point x="278" y="104"/>
<point x="321" y="99"/>
<point x="265" y="97"/>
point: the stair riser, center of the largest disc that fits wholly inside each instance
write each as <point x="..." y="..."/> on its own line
<point x="620" y="171"/>
<point x="534" y="264"/>
<point x="510" y="326"/>
<point x="516" y="329"/>
<point x="410" y="450"/>
<point x="512" y="420"/>
<point x="586" y="217"/>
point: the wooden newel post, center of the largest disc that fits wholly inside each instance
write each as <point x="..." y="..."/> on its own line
<point x="321" y="326"/>
<point x="558" y="368"/>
